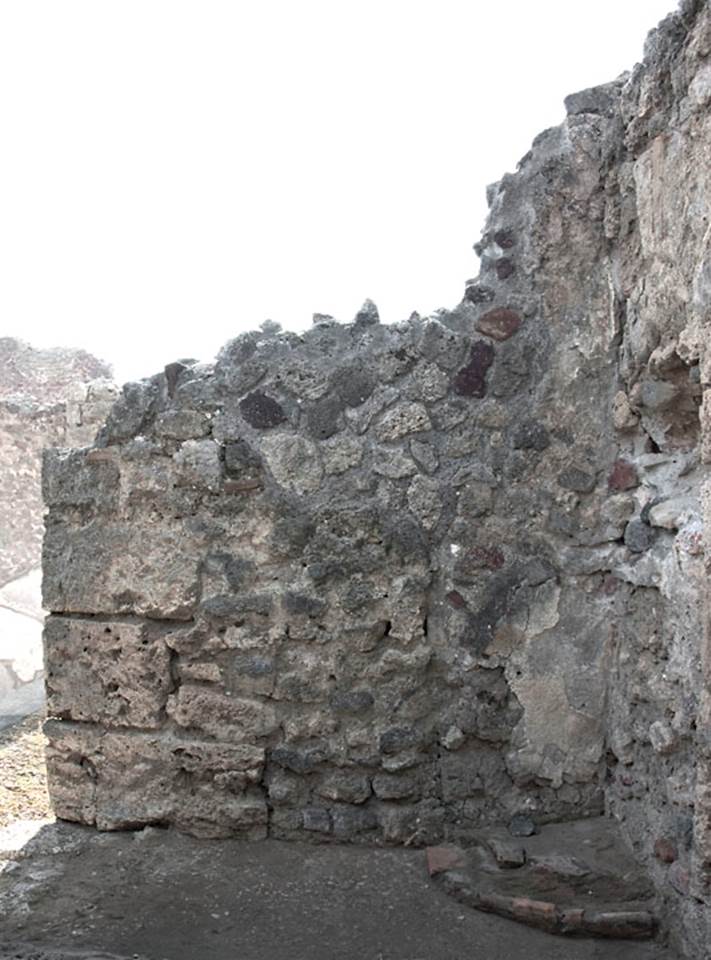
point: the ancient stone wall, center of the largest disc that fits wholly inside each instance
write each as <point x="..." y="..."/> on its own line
<point x="47" y="398"/>
<point x="394" y="583"/>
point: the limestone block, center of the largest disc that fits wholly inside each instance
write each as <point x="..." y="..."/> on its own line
<point x="182" y="425"/>
<point x="345" y="787"/>
<point x="220" y="715"/>
<point x="125" y="780"/>
<point x="294" y="462"/>
<point x="402" y="420"/>
<point x="77" y="478"/>
<point x="109" y="672"/>
<point x="112" y="567"/>
<point x="199" y="466"/>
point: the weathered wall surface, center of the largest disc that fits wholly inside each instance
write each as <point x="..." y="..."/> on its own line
<point x="393" y="583"/>
<point x="42" y="396"/>
<point x="47" y="398"/>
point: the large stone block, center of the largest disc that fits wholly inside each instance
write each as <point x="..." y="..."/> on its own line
<point x="127" y="780"/>
<point x="109" y="672"/>
<point x="80" y="478"/>
<point x="121" y="567"/>
<point x="220" y="715"/>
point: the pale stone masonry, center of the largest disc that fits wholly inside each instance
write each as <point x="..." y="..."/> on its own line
<point x="53" y="397"/>
<point x="392" y="583"/>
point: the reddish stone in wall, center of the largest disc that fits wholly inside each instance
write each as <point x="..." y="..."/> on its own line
<point x="504" y="269"/>
<point x="623" y="476"/>
<point x="490" y="557"/>
<point x="505" y="239"/>
<point x="499" y="324"/>
<point x="665" y="850"/>
<point x="471" y="379"/>
<point x="456" y="599"/>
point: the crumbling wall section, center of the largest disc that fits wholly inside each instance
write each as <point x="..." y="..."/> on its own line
<point x="393" y="583"/>
<point x="658" y="221"/>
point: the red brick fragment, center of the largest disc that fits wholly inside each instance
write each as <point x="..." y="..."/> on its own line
<point x="620" y="924"/>
<point x="456" y="599"/>
<point x="537" y="913"/>
<point x="470" y="381"/>
<point x="490" y="557"/>
<point x="623" y="476"/>
<point x="497" y="903"/>
<point x="571" y="920"/>
<point x="665" y="850"/>
<point x="499" y="324"/>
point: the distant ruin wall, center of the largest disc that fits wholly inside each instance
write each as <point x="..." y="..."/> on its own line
<point x="47" y="398"/>
<point x="42" y="394"/>
<point x="391" y="583"/>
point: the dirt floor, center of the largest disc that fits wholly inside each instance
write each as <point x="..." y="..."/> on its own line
<point x="23" y="787"/>
<point x="68" y="892"/>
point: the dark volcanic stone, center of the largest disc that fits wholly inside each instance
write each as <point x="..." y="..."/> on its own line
<point x="638" y="536"/>
<point x="353" y="384"/>
<point x="477" y="293"/>
<point x="531" y="435"/>
<point x="505" y="239"/>
<point x="298" y="761"/>
<point x="522" y="826"/>
<point x="396" y="739"/>
<point x="239" y="456"/>
<point x="471" y="379"/>
<point x="316" y="819"/>
<point x="580" y="481"/>
<point x="172" y="373"/>
<point x="229" y="606"/>
<point x="261" y="411"/>
<point x="499" y="324"/>
<point x="368" y="315"/>
<point x="350" y="821"/>
<point x="322" y="418"/>
<point x="352" y="701"/>
<point x="132" y="411"/>
<point x="301" y="603"/>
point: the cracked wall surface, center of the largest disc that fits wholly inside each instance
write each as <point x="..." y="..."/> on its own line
<point x="393" y="583"/>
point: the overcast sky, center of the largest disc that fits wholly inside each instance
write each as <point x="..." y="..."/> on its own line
<point x="173" y="173"/>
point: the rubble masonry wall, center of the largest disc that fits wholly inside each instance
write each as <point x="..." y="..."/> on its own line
<point x="393" y="583"/>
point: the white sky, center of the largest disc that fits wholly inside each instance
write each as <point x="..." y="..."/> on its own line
<point x="174" y="172"/>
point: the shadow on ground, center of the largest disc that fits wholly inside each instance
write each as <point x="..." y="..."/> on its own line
<point x="165" y="896"/>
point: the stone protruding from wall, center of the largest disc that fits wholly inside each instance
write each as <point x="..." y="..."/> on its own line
<point x="391" y="584"/>
<point x="47" y="398"/>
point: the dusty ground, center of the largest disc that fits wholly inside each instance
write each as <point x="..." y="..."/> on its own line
<point x="168" y="897"/>
<point x="68" y="892"/>
<point x="23" y="788"/>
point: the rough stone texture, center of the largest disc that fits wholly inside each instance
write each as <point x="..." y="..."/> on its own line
<point x="47" y="398"/>
<point x="442" y="573"/>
